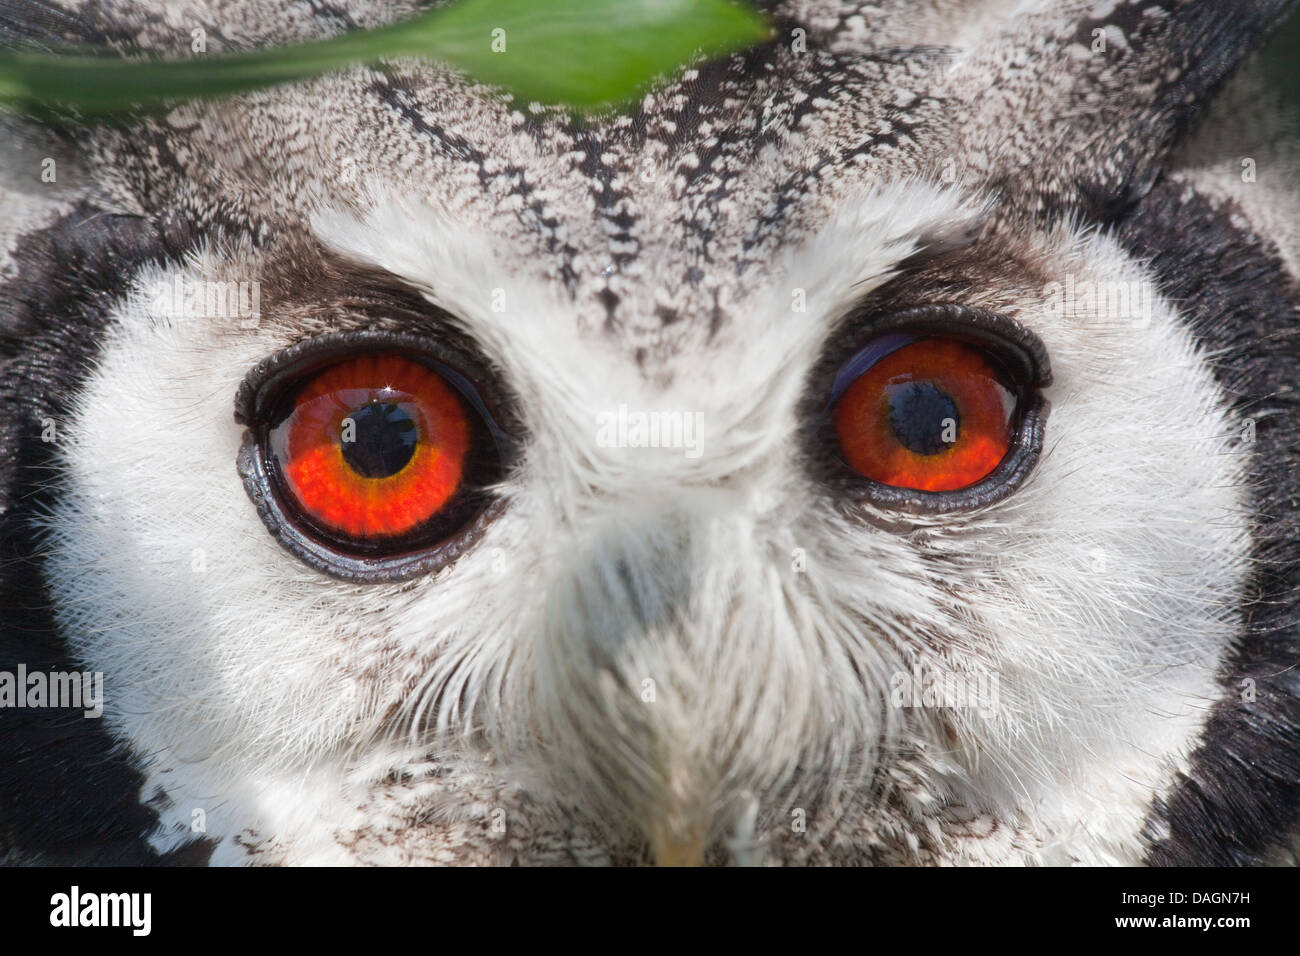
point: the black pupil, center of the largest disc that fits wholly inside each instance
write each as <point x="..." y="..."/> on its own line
<point x="382" y="441"/>
<point x="923" y="416"/>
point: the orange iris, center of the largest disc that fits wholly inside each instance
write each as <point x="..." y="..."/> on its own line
<point x="933" y="415"/>
<point x="373" y="446"/>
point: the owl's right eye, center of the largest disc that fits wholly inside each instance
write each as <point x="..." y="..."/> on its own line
<point x="369" y="457"/>
<point x="939" y="409"/>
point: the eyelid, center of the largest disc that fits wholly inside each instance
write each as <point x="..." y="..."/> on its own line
<point x="880" y="347"/>
<point x="1020" y="348"/>
<point x="262" y="388"/>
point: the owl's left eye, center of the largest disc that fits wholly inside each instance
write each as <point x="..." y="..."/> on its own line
<point x="369" y="456"/>
<point x="372" y="448"/>
<point x="927" y="418"/>
<point x="933" y="414"/>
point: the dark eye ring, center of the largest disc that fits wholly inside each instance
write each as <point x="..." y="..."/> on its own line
<point x="370" y="455"/>
<point x="936" y="409"/>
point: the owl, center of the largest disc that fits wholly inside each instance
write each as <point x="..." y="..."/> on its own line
<point x="876" y="446"/>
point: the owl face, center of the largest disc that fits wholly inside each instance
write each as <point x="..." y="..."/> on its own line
<point x="847" y="456"/>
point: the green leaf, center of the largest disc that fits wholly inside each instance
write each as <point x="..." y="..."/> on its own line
<point x="579" y="53"/>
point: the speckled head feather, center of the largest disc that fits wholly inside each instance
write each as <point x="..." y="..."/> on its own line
<point x="673" y="654"/>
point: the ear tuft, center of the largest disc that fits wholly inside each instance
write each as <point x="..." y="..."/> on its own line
<point x="1076" y="108"/>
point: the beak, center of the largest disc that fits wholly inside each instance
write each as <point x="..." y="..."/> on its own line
<point x="672" y="848"/>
